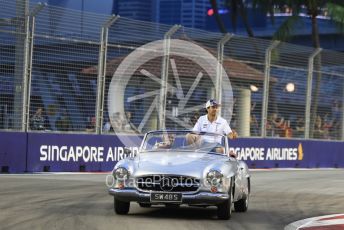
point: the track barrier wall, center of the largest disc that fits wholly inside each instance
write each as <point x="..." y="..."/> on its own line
<point x="13" y="151"/>
<point x="43" y="152"/>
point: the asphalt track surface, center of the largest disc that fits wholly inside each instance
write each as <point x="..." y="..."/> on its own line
<point x="56" y="201"/>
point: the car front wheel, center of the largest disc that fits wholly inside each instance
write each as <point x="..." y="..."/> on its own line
<point x="224" y="210"/>
<point x="121" y="207"/>
<point x="242" y="204"/>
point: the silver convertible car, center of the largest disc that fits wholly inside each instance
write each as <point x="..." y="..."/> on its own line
<point x="182" y="168"/>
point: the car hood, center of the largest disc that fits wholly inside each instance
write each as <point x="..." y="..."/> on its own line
<point x="176" y="163"/>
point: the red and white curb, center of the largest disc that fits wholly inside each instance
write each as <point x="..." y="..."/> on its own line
<point x="330" y="222"/>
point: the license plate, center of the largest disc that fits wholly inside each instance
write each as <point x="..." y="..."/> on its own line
<point x="165" y="197"/>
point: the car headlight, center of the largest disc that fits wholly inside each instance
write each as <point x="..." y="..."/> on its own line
<point x="121" y="174"/>
<point x="214" y="177"/>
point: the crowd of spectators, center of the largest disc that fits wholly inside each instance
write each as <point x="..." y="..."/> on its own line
<point x="40" y="121"/>
<point x="326" y="125"/>
<point x="277" y="126"/>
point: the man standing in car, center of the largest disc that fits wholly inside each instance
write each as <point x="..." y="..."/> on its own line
<point x="212" y="123"/>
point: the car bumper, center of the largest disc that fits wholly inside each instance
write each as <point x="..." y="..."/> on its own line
<point x="199" y="198"/>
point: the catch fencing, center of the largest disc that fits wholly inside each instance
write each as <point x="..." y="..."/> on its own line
<point x="64" y="70"/>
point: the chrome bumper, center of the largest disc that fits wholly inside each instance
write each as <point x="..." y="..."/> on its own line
<point x="200" y="198"/>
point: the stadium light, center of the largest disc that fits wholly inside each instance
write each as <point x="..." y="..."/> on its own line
<point x="253" y="88"/>
<point x="290" y="87"/>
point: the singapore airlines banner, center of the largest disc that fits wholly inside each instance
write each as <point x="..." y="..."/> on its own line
<point x="76" y="152"/>
<point x="36" y="152"/>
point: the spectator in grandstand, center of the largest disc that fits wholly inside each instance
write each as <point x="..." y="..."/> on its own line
<point x="63" y="122"/>
<point x="300" y="127"/>
<point x="37" y="121"/>
<point x="254" y="125"/>
<point x="335" y="110"/>
<point x="337" y="117"/>
<point x="117" y="122"/>
<point x="327" y="126"/>
<point x="172" y="103"/>
<point x="277" y="125"/>
<point x="127" y="122"/>
<point x="254" y="128"/>
<point x="91" y="126"/>
<point x="269" y="129"/>
<point x="107" y="125"/>
<point x="318" y="128"/>
<point x="288" y="131"/>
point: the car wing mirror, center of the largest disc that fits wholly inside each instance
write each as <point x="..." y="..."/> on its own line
<point x="232" y="154"/>
<point x="127" y="152"/>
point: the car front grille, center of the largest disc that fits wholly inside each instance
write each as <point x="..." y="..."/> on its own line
<point x="167" y="183"/>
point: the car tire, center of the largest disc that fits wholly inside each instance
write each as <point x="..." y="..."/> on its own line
<point x="224" y="210"/>
<point x="121" y="207"/>
<point x="145" y="205"/>
<point x="242" y="204"/>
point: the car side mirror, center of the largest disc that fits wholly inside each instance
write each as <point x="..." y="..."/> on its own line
<point x="232" y="154"/>
<point x="127" y="152"/>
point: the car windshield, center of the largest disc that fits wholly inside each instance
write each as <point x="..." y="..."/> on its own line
<point x="184" y="141"/>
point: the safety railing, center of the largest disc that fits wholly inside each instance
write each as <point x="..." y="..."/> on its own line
<point x="63" y="70"/>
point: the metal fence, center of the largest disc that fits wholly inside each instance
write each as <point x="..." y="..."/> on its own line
<point x="63" y="70"/>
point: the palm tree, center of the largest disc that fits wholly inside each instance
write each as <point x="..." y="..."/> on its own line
<point x="237" y="8"/>
<point x="218" y="19"/>
<point x="313" y="9"/>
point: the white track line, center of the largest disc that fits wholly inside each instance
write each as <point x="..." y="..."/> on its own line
<point x="315" y="222"/>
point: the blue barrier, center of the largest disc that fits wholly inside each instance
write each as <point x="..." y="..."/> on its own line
<point x="289" y="153"/>
<point x="37" y="152"/>
<point x="75" y="152"/>
<point x="13" y="148"/>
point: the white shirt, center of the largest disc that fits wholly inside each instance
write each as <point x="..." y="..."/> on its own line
<point x="219" y="126"/>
